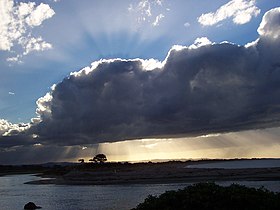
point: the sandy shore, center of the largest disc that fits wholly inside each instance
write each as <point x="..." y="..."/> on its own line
<point x="170" y="172"/>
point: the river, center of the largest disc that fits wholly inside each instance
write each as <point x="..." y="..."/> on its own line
<point x="14" y="194"/>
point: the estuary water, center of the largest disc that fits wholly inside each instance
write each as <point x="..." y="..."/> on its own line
<point x="14" y="194"/>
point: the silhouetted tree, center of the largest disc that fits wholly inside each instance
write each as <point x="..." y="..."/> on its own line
<point x="81" y="160"/>
<point x="100" y="158"/>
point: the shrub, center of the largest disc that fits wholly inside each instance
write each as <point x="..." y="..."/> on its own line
<point x="210" y="196"/>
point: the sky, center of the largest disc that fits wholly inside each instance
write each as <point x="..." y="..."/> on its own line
<point x="139" y="79"/>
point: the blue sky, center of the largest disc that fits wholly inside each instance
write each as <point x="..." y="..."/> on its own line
<point x="82" y="32"/>
<point x="43" y="41"/>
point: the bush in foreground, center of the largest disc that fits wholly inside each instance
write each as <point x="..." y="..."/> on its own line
<point x="210" y="196"/>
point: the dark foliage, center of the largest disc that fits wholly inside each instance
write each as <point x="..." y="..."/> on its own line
<point x="81" y="160"/>
<point x="100" y="158"/>
<point x="209" y="196"/>
<point x="31" y="206"/>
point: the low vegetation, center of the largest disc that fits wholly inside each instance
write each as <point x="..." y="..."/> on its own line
<point x="210" y="196"/>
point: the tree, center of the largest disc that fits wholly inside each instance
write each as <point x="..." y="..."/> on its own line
<point x="81" y="160"/>
<point x="100" y="158"/>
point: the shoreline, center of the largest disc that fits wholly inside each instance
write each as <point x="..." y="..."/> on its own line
<point x="159" y="173"/>
<point x="56" y="181"/>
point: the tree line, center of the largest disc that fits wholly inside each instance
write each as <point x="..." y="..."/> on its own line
<point x="99" y="158"/>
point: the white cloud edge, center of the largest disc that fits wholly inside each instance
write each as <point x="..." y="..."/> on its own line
<point x="7" y="128"/>
<point x="240" y="11"/>
<point x="270" y="27"/>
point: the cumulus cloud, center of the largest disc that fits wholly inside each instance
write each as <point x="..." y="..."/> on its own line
<point x="241" y="12"/>
<point x="270" y="26"/>
<point x="8" y="129"/>
<point x="17" y="21"/>
<point x="199" y="89"/>
<point x="4" y="126"/>
<point x="39" y="14"/>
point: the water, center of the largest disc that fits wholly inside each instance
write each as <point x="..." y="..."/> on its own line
<point x="14" y="194"/>
<point x="238" y="164"/>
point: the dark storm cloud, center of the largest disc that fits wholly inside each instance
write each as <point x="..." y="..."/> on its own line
<point x="198" y="90"/>
<point x="213" y="88"/>
<point x="16" y="140"/>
